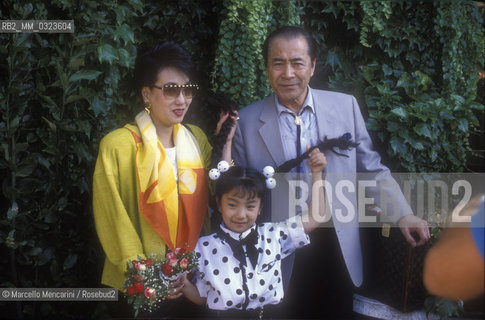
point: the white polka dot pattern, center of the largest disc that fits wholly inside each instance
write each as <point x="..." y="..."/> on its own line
<point x="220" y="276"/>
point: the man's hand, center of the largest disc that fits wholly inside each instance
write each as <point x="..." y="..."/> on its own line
<point x="411" y="223"/>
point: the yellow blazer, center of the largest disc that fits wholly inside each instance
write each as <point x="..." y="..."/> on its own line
<point x="122" y="230"/>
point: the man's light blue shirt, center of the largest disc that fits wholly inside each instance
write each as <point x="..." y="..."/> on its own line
<point x="288" y="131"/>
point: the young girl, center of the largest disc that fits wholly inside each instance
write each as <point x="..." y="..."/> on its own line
<point x="240" y="264"/>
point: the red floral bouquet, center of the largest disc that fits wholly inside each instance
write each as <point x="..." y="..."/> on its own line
<point x="147" y="280"/>
<point x="176" y="264"/>
<point x="144" y="288"/>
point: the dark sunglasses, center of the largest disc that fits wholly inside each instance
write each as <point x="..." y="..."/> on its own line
<point x="172" y="91"/>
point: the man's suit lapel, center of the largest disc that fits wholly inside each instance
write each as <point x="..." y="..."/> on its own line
<point x="325" y="115"/>
<point x="270" y="132"/>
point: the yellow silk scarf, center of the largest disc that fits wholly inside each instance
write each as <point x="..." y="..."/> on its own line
<point x="176" y="215"/>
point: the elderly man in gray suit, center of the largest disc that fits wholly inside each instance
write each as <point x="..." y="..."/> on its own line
<point x="280" y="127"/>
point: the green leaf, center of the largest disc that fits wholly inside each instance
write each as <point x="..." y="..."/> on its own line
<point x="418" y="145"/>
<point x="125" y="58"/>
<point x="23" y="41"/>
<point x="387" y="70"/>
<point x="476" y="106"/>
<point x="368" y="74"/>
<point x="85" y="75"/>
<point x="46" y="256"/>
<point x="51" y="217"/>
<point x="422" y="130"/>
<point x="446" y="116"/>
<point x="34" y="252"/>
<point x="333" y="60"/>
<point x="73" y="98"/>
<point x="397" y="146"/>
<point x="400" y="112"/>
<point x="124" y="32"/>
<point x="75" y="63"/>
<point x="393" y="126"/>
<point x="13" y="211"/>
<point x="70" y="261"/>
<point x="98" y="107"/>
<point x="19" y="147"/>
<point x="463" y="125"/>
<point x="61" y="74"/>
<point x="107" y="53"/>
<point x="49" y="101"/>
<point x="25" y="167"/>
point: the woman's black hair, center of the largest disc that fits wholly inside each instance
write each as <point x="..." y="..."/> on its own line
<point x="167" y="54"/>
<point x="246" y="182"/>
<point x="222" y="102"/>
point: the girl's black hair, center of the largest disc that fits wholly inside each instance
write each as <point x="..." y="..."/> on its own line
<point x="167" y="54"/>
<point x="246" y="181"/>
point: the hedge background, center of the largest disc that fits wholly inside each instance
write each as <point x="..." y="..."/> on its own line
<point x="412" y="65"/>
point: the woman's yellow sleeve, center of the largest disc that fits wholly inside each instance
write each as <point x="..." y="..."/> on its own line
<point x="115" y="203"/>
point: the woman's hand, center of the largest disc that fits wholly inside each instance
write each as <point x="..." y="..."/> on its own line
<point x="175" y="288"/>
<point x="223" y="117"/>
<point x="226" y="149"/>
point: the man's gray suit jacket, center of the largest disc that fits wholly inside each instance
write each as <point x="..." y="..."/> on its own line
<point x="257" y="143"/>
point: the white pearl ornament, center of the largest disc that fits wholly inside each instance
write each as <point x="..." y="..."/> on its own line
<point x="214" y="174"/>
<point x="270" y="183"/>
<point x="223" y="166"/>
<point x="268" y="171"/>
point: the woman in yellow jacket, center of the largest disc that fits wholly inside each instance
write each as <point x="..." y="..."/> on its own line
<point x="149" y="187"/>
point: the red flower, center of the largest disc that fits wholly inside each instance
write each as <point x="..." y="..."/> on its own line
<point x="140" y="266"/>
<point x="173" y="262"/>
<point x="137" y="277"/>
<point x="170" y="255"/>
<point x="149" y="263"/>
<point x="183" y="263"/>
<point x="166" y="269"/>
<point x="134" y="263"/>
<point x="149" y="293"/>
<point x="131" y="291"/>
<point x="182" y="251"/>
<point x="139" y="287"/>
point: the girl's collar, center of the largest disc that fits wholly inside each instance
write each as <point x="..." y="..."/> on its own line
<point x="237" y="235"/>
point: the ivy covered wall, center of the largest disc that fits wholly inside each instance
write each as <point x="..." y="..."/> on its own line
<point x="412" y="65"/>
<point x="414" y="68"/>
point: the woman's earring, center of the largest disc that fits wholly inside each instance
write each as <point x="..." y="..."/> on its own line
<point x="147" y="107"/>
